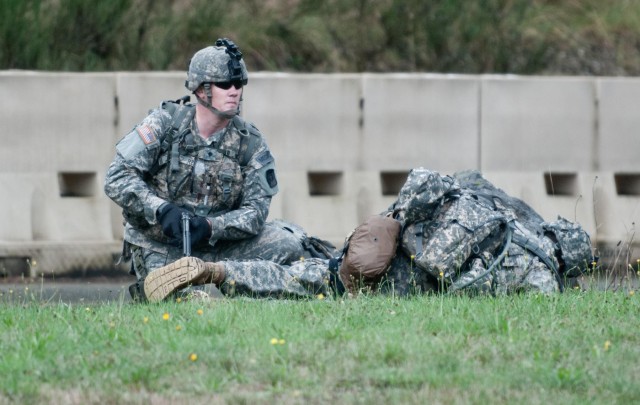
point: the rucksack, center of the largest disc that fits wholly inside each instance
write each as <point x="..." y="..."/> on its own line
<point x="474" y="181"/>
<point x="368" y="251"/>
<point x="507" y="270"/>
<point x="573" y="246"/>
<point x="444" y="225"/>
<point x="463" y="227"/>
<point x="525" y="231"/>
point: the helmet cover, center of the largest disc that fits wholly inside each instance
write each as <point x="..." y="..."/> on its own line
<point x="213" y="64"/>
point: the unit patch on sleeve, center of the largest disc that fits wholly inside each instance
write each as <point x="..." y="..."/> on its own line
<point x="146" y="134"/>
<point x="264" y="158"/>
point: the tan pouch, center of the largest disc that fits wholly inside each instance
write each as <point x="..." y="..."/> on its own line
<point x="369" y="251"/>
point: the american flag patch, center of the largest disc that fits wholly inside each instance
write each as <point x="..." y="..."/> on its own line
<point x="146" y="134"/>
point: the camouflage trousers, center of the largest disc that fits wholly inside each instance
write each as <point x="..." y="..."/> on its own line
<point x="271" y="264"/>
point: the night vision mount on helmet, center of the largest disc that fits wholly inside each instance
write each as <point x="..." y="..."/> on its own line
<point x="237" y="72"/>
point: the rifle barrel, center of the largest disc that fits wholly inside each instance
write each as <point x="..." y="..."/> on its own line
<point x="186" y="234"/>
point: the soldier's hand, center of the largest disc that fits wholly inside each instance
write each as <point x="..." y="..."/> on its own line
<point x="170" y="217"/>
<point x="200" y="229"/>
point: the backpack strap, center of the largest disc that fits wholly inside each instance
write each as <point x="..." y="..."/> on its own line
<point x="419" y="233"/>
<point x="524" y="242"/>
<point x="181" y="116"/>
<point x="534" y="247"/>
<point x="249" y="140"/>
<point x="182" y="113"/>
<point x="505" y="250"/>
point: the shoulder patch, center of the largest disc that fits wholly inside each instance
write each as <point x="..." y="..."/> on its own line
<point x="264" y="158"/>
<point x="267" y="179"/>
<point x="146" y="134"/>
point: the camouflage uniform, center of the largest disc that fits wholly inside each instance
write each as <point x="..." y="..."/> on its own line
<point x="303" y="278"/>
<point x="207" y="178"/>
<point x="209" y="182"/>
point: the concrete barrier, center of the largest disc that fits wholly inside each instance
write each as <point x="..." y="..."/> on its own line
<point x="344" y="144"/>
<point x="412" y="120"/>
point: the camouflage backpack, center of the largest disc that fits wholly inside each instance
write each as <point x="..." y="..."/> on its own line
<point x="572" y="244"/>
<point x="463" y="227"/>
<point x="422" y="194"/>
<point x="444" y="226"/>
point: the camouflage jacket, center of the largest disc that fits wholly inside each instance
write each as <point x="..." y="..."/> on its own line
<point x="203" y="176"/>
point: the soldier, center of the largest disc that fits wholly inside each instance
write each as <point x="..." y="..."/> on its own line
<point x="205" y="165"/>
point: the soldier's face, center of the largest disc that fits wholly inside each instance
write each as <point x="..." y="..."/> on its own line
<point x="226" y="99"/>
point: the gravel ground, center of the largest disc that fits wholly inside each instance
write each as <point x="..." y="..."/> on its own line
<point x="67" y="291"/>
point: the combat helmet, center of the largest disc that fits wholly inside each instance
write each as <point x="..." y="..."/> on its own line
<point x="214" y="64"/>
<point x="221" y="63"/>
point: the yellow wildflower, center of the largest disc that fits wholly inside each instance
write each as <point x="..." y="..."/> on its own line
<point x="631" y="292"/>
<point x="281" y="341"/>
<point x="166" y="316"/>
<point x="145" y="319"/>
<point x="607" y="345"/>
<point x="178" y="300"/>
<point x="320" y="296"/>
<point x="273" y="341"/>
<point x="193" y="357"/>
<point x="178" y="328"/>
<point x="199" y="311"/>
<point x="413" y="257"/>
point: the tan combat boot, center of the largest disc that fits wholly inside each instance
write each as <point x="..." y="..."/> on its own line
<point x="185" y="271"/>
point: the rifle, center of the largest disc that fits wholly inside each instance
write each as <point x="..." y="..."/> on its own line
<point x="186" y="234"/>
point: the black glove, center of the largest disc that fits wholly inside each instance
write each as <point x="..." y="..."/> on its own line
<point x="170" y="217"/>
<point x="200" y="230"/>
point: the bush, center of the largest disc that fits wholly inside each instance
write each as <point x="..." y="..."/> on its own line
<point x="489" y="36"/>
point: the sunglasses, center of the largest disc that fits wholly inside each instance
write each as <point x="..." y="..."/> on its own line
<point x="227" y="85"/>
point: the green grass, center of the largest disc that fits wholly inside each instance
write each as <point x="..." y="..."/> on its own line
<point x="572" y="348"/>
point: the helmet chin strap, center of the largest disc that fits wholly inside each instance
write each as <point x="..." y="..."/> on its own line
<point x="227" y="115"/>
